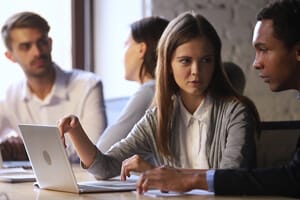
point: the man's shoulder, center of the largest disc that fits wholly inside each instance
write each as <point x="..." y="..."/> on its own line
<point x="77" y="80"/>
<point x="83" y="77"/>
<point x="16" y="88"/>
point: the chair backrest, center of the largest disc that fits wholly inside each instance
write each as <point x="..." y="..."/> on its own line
<point x="277" y="142"/>
<point x="114" y="107"/>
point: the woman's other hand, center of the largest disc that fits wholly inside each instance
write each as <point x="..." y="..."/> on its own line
<point x="134" y="163"/>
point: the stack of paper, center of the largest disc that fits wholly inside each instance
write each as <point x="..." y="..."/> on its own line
<point x="158" y="193"/>
<point x="15" y="175"/>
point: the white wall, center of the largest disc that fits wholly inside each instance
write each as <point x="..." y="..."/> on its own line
<point x="234" y="20"/>
<point x="112" y="20"/>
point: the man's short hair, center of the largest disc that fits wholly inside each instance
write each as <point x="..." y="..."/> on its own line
<point x="23" y="20"/>
<point x="285" y="15"/>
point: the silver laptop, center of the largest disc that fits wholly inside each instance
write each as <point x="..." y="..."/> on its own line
<point x="52" y="167"/>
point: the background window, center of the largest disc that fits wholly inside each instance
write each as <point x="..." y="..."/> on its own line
<point x="111" y="25"/>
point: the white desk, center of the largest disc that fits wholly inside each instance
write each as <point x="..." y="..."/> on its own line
<point x="26" y="191"/>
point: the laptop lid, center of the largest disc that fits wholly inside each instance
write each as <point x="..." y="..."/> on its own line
<point x="48" y="157"/>
<point x="51" y="165"/>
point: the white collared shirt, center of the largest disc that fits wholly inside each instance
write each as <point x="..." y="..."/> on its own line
<point x="193" y="134"/>
<point x="74" y="92"/>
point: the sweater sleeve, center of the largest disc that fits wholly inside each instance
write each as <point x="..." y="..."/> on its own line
<point x="240" y="147"/>
<point x="139" y="141"/>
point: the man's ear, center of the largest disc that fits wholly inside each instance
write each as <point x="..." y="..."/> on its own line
<point x="50" y="43"/>
<point x="10" y="56"/>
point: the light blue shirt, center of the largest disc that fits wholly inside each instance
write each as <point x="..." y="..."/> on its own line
<point x="210" y="177"/>
<point x="133" y="111"/>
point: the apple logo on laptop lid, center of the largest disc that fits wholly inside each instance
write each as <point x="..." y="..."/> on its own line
<point x="46" y="157"/>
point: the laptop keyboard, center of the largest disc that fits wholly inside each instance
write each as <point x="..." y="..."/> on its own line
<point x="109" y="184"/>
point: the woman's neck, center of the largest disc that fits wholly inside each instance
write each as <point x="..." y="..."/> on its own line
<point x="146" y="78"/>
<point x="190" y="102"/>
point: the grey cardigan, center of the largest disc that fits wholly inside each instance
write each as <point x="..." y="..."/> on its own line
<point x="230" y="141"/>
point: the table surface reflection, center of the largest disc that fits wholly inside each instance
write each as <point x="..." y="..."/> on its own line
<point x="15" y="191"/>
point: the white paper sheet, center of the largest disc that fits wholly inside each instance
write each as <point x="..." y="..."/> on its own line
<point x="13" y="175"/>
<point x="158" y="193"/>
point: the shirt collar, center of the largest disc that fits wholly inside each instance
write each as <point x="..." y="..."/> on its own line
<point x="202" y="113"/>
<point x="58" y="90"/>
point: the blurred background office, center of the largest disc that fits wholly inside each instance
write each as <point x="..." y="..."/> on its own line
<point x="90" y="34"/>
<point x="109" y="19"/>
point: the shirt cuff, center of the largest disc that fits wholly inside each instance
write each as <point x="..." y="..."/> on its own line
<point x="210" y="177"/>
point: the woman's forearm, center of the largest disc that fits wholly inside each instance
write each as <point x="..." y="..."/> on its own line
<point x="85" y="148"/>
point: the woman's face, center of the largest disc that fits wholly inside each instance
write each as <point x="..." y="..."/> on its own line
<point x="133" y="59"/>
<point x="193" y="67"/>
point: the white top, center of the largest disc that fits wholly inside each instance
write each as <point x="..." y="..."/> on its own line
<point x="74" y="92"/>
<point x="193" y="133"/>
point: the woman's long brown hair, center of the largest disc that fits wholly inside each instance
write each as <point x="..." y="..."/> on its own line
<point x="180" y="30"/>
